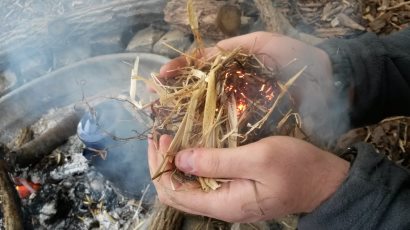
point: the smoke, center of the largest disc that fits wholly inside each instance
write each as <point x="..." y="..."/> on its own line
<point x="42" y="42"/>
<point x="324" y="110"/>
<point x="115" y="138"/>
<point x="41" y="36"/>
<point x="325" y="118"/>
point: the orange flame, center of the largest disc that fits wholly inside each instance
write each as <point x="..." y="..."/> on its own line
<point x="26" y="188"/>
<point x="241" y="107"/>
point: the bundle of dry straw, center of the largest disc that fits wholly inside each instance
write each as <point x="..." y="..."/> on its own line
<point x="222" y="101"/>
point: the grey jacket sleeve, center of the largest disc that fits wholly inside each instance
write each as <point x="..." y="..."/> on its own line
<point x="378" y="70"/>
<point x="376" y="195"/>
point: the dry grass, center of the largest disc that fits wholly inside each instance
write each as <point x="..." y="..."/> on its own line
<point x="223" y="101"/>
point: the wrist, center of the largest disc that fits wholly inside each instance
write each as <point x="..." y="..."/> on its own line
<point x="333" y="172"/>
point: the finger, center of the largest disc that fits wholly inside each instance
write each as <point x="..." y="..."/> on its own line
<point x="164" y="143"/>
<point x="171" y="68"/>
<point x="252" y="42"/>
<point x="225" y="203"/>
<point x="152" y="156"/>
<point x="157" y="153"/>
<point x="217" y="163"/>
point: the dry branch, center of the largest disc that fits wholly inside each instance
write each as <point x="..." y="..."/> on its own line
<point x="401" y="4"/>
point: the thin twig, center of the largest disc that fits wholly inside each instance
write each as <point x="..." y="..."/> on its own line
<point x="401" y="4"/>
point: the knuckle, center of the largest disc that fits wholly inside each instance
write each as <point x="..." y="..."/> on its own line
<point x="264" y="157"/>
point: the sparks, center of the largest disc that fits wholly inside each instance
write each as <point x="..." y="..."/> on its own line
<point x="270" y="96"/>
<point x="269" y="89"/>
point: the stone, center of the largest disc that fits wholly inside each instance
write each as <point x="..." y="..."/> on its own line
<point x="144" y="40"/>
<point x="207" y="42"/>
<point x="176" y="39"/>
<point x="106" y="44"/>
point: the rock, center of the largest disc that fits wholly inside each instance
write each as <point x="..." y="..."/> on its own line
<point x="257" y="26"/>
<point x="176" y="39"/>
<point x="207" y="42"/>
<point x="144" y="40"/>
<point x="106" y="44"/>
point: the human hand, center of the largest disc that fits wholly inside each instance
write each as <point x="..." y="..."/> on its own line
<point x="270" y="178"/>
<point x="324" y="114"/>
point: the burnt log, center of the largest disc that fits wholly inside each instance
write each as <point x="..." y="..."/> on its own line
<point x="176" y="14"/>
<point x="35" y="150"/>
<point x="41" y="35"/>
<point x="10" y="204"/>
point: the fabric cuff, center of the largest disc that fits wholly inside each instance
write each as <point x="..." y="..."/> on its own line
<point x="362" y="198"/>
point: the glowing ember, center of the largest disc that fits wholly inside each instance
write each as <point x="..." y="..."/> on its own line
<point x="26" y="188"/>
<point x="241" y="107"/>
<point x="262" y="88"/>
<point x="250" y="89"/>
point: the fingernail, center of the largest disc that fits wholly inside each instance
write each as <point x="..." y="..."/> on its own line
<point x="185" y="161"/>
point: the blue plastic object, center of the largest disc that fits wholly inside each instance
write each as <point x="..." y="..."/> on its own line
<point x="105" y="125"/>
<point x="112" y="128"/>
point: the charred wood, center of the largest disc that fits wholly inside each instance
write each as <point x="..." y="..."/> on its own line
<point x="33" y="151"/>
<point x="9" y="201"/>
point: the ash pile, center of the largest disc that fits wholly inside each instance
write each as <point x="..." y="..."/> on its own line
<point x="75" y="187"/>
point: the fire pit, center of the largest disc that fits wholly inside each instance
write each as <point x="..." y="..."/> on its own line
<point x="66" y="189"/>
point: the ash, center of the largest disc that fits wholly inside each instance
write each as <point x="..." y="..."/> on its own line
<point x="74" y="194"/>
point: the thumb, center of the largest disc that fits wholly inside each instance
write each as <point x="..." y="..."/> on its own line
<point x="215" y="163"/>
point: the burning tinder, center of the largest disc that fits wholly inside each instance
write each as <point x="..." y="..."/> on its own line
<point x="224" y="101"/>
